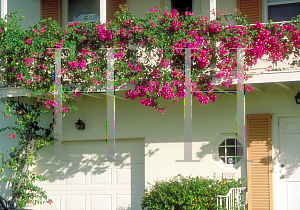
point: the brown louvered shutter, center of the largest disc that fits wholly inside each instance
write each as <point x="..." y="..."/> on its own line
<point x="111" y="7"/>
<point x="51" y="8"/>
<point x="252" y="9"/>
<point x="259" y="165"/>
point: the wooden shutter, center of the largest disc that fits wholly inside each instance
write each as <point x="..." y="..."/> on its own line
<point x="252" y="9"/>
<point x="51" y="8"/>
<point x="111" y="7"/>
<point x="259" y="165"/>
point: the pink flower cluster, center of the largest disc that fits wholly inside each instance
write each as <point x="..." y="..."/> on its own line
<point x="12" y="136"/>
<point x="28" y="61"/>
<point x="119" y="55"/>
<point x="103" y="33"/>
<point x="79" y="63"/>
<point x="96" y="82"/>
<point x="50" y="201"/>
<point x="50" y="104"/>
<point x="65" y="110"/>
<point x="19" y="76"/>
<point x="29" y="41"/>
<point x="136" y="68"/>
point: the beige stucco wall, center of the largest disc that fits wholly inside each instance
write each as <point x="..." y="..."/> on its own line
<point x="164" y="134"/>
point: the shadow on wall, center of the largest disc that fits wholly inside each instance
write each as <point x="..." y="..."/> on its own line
<point x="85" y="167"/>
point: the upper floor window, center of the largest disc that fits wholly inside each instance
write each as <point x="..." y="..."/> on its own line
<point x="79" y="9"/>
<point x="182" y="6"/>
<point x="280" y="10"/>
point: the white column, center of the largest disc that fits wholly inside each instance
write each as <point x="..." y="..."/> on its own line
<point x="240" y="99"/>
<point x="3" y="8"/>
<point x="110" y="106"/>
<point x="102" y="11"/>
<point x="213" y="8"/>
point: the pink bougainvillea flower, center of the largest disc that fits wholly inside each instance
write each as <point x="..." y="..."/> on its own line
<point x="29" y="41"/>
<point x="12" y="136"/>
<point x="50" y="201"/>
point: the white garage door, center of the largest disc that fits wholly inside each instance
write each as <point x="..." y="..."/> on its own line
<point x="89" y="182"/>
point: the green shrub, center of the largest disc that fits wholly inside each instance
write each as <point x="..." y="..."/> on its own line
<point x="187" y="193"/>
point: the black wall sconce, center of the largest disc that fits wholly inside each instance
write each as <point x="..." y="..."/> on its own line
<point x="80" y="125"/>
<point x="297" y="98"/>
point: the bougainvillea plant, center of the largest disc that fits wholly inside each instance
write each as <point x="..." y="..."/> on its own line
<point x="15" y="167"/>
<point x="149" y="52"/>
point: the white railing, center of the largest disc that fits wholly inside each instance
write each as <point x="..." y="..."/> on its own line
<point x="232" y="199"/>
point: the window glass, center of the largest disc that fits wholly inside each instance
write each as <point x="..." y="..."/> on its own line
<point x="79" y="9"/>
<point x="274" y="1"/>
<point x="222" y="151"/>
<point x="230" y="151"/>
<point x="230" y="141"/>
<point x="182" y="6"/>
<point x="283" y="12"/>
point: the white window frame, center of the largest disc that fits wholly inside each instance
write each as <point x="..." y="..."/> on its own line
<point x="215" y="152"/>
<point x="65" y="12"/>
<point x="266" y="4"/>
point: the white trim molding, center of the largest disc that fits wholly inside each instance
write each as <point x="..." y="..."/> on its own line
<point x="3" y="8"/>
<point x="102" y="11"/>
<point x="276" y="155"/>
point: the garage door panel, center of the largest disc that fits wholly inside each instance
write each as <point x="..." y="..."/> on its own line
<point x="93" y="181"/>
<point x="123" y="176"/>
<point x="74" y="176"/>
<point x="100" y="202"/>
<point x="97" y="152"/>
<point x="75" y="202"/>
<point x="100" y="177"/>
<point x="55" y="205"/>
<point x="123" y="201"/>
<point x="50" y="171"/>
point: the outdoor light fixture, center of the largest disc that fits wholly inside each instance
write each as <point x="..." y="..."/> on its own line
<point x="80" y="125"/>
<point x="297" y="98"/>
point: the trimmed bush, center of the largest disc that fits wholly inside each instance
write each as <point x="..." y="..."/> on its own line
<point x="187" y="193"/>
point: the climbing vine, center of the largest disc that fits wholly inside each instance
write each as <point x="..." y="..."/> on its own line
<point x="32" y="137"/>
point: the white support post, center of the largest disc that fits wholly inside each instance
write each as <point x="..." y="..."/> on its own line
<point x="213" y="8"/>
<point x="102" y="11"/>
<point x="58" y="106"/>
<point x="110" y="106"/>
<point x="240" y="117"/>
<point x="3" y="8"/>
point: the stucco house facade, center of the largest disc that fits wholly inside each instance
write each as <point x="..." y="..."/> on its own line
<point x="151" y="146"/>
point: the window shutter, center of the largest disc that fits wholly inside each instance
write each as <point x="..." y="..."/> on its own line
<point x="252" y="9"/>
<point x="51" y="8"/>
<point x="111" y="7"/>
<point x="259" y="165"/>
